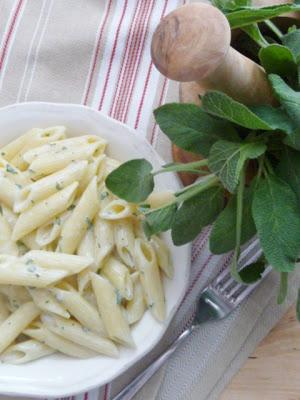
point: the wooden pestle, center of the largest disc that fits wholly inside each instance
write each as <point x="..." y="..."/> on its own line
<point x="192" y="43"/>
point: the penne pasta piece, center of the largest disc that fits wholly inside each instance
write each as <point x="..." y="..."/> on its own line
<point x="110" y="310"/>
<point x="138" y="229"/>
<point x="136" y="307"/>
<point x="124" y="239"/>
<point x="46" y="165"/>
<point x="81" y="309"/>
<point x="45" y="300"/>
<point x="7" y="246"/>
<point x="70" y="263"/>
<point x="26" y="351"/>
<point x="38" y="137"/>
<point x="105" y="196"/>
<point x="80" y="220"/>
<point x="12" y="148"/>
<point x="11" y="328"/>
<point x="160" y="199"/>
<point x="107" y="167"/>
<point x="73" y="331"/>
<point x="15" y="272"/>
<point x="4" y="311"/>
<point x="44" y="211"/>
<point x="150" y="278"/>
<point x="91" y="171"/>
<point x="104" y="240"/>
<point x="119" y="276"/>
<point x="49" y="185"/>
<point x="62" y="145"/>
<point x="13" y="173"/>
<point x="117" y="209"/>
<point x="30" y="241"/>
<point x="162" y="256"/>
<point x="86" y="247"/>
<point x="9" y="215"/>
<point x="15" y="295"/>
<point x="8" y="192"/>
<point x="49" y="232"/>
<point x="58" y="343"/>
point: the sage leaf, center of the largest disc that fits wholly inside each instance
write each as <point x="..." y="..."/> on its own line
<point x="283" y="288"/>
<point x="226" y="160"/>
<point x="276" y="214"/>
<point x="195" y="214"/>
<point x="190" y="128"/>
<point x="160" y="219"/>
<point x="278" y="59"/>
<point x="292" y="41"/>
<point x="288" y="169"/>
<point x="223" y="106"/>
<point x="252" y="272"/>
<point x="131" y="181"/>
<point x="298" y="306"/>
<point x="223" y="236"/>
<point x="277" y="118"/>
<point x="244" y="17"/>
<point x="229" y="5"/>
<point x="255" y="34"/>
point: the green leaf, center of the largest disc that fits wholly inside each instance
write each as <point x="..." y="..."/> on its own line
<point x="289" y="98"/>
<point x="254" y="32"/>
<point x="298" y="306"/>
<point x="244" y="17"/>
<point x="190" y="128"/>
<point x="195" y="214"/>
<point x="223" y="106"/>
<point x="160" y="219"/>
<point x="252" y="273"/>
<point x="131" y="181"/>
<point x="292" y="41"/>
<point x="227" y="159"/>
<point x="288" y="169"/>
<point x="277" y="118"/>
<point x="283" y="288"/>
<point x="276" y="214"/>
<point x="229" y="5"/>
<point x="222" y="238"/>
<point x="278" y="59"/>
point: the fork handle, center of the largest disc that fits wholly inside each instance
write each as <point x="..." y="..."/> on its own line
<point x="137" y="383"/>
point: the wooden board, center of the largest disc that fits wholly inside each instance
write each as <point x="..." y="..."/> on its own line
<point x="272" y="371"/>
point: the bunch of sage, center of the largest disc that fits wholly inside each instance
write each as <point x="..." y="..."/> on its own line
<point x="233" y="139"/>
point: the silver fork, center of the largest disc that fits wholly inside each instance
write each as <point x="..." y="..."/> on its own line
<point x="216" y="301"/>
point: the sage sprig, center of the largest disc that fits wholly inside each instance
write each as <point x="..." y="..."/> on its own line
<point x="249" y="174"/>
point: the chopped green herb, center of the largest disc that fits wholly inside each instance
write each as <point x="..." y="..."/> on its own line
<point x="64" y="148"/>
<point x="29" y="261"/>
<point x="1" y="210"/>
<point x="11" y="170"/>
<point x="57" y="221"/>
<point x="72" y="206"/>
<point x="103" y="195"/>
<point x="89" y="223"/>
<point x="58" y="186"/>
<point x="19" y="186"/>
<point x="150" y="305"/>
<point x="32" y="269"/>
<point x="118" y="296"/>
<point x="3" y="153"/>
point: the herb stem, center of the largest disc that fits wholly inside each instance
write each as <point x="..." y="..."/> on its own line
<point x="269" y="166"/>
<point x="239" y="217"/>
<point x="186" y="194"/>
<point x="274" y="28"/>
<point x="188" y="167"/>
<point x="283" y="287"/>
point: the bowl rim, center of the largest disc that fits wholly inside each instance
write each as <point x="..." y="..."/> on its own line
<point x="10" y="388"/>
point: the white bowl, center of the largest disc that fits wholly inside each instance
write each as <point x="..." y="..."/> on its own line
<point x="59" y="376"/>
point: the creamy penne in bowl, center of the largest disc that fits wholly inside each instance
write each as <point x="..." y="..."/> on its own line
<point x="80" y="283"/>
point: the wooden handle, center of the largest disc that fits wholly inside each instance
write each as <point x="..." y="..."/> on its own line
<point x="193" y="44"/>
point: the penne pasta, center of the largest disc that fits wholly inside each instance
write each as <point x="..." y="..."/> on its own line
<point x="49" y="185"/>
<point x="80" y="220"/>
<point x="110" y="310"/>
<point x="57" y="261"/>
<point x="91" y="171"/>
<point x="16" y="323"/>
<point x="8" y="192"/>
<point x="49" y="232"/>
<point x="38" y="137"/>
<point x="117" y="209"/>
<point x="15" y="295"/>
<point x="9" y="215"/>
<point x="4" y="311"/>
<point x="150" y="278"/>
<point x="58" y="343"/>
<point x="104" y="240"/>
<point x="160" y="199"/>
<point x="55" y="161"/>
<point x="43" y="212"/>
<point x="45" y="300"/>
<point x="162" y="256"/>
<point x="124" y="239"/>
<point x="73" y="331"/>
<point x="80" y="308"/>
<point x="7" y="246"/>
<point x="26" y="351"/>
<point x="15" y="272"/>
<point x="107" y="167"/>
<point x="30" y="241"/>
<point x="13" y="173"/>
<point x="136" y="307"/>
<point x="118" y="275"/>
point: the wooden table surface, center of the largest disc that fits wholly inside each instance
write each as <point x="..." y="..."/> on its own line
<point x="272" y="372"/>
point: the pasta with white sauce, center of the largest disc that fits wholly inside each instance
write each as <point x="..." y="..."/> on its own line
<point x="76" y="269"/>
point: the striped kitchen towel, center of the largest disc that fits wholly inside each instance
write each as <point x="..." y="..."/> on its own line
<point x="97" y="53"/>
